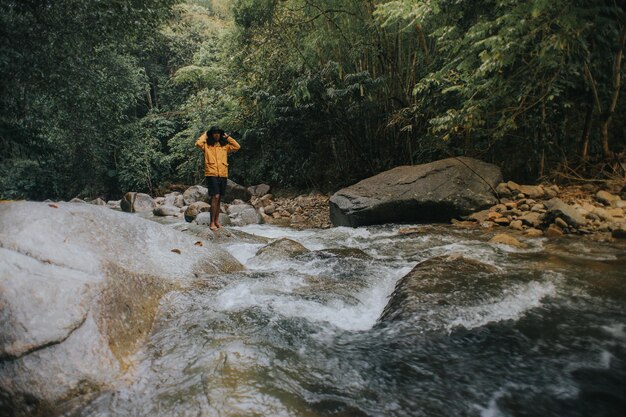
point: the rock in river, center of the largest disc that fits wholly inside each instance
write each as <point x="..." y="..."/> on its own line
<point x="427" y="292"/>
<point x="79" y="288"/>
<point x="437" y="191"/>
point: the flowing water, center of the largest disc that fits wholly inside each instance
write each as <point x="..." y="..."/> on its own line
<point x="301" y="337"/>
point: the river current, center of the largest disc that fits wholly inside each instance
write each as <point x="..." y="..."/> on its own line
<point x="300" y="336"/>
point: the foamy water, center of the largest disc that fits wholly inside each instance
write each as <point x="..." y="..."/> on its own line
<point x="300" y="335"/>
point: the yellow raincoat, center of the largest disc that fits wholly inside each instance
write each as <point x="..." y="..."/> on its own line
<point x="215" y="156"/>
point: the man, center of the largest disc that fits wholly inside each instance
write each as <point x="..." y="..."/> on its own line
<point x="216" y="145"/>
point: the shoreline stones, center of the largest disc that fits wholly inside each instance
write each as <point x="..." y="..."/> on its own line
<point x="303" y="211"/>
<point x="550" y="211"/>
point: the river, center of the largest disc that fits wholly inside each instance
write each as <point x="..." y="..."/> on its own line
<point x="301" y="337"/>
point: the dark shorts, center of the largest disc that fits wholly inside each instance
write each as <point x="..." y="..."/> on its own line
<point x="216" y="185"/>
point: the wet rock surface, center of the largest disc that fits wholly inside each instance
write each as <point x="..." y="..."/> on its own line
<point x="437" y="283"/>
<point x="79" y="289"/>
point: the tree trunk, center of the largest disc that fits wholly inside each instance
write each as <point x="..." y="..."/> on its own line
<point x="617" y="83"/>
<point x="584" y="153"/>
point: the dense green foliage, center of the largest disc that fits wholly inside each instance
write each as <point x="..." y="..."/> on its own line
<point x="102" y="97"/>
<point x="371" y="84"/>
<point x="71" y="94"/>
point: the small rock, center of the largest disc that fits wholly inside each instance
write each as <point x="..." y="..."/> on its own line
<point x="503" y="190"/>
<point x="236" y="191"/>
<point x="77" y="200"/>
<point x="499" y="208"/>
<point x="554" y="231"/>
<point x="195" y="193"/>
<point x="551" y="191"/>
<point x="516" y="225"/>
<point x="282" y="248"/>
<point x="557" y="208"/>
<point x="532" y="219"/>
<point x="603" y="214"/>
<point x="194" y="209"/>
<point x="480" y="216"/>
<point x="137" y="202"/>
<point x="203" y="218"/>
<point x="538" y="208"/>
<point x="524" y="207"/>
<point x="514" y="187"/>
<point x="532" y="191"/>
<point x="502" y="221"/>
<point x="606" y="198"/>
<point x="560" y="223"/>
<point x="243" y="214"/>
<point x="166" y="210"/>
<point x="259" y="190"/>
<point x="504" y="239"/>
<point x="532" y="232"/>
<point x="615" y="212"/>
<point x="171" y="199"/>
<point x="619" y="233"/>
<point x="98" y="202"/>
<point x="513" y="213"/>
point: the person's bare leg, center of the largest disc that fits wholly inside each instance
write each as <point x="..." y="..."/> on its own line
<point x="215" y="211"/>
<point x="217" y="216"/>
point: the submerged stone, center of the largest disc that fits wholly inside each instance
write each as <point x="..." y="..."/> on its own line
<point x="436" y="282"/>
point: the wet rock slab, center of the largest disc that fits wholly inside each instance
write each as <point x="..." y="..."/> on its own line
<point x="79" y="288"/>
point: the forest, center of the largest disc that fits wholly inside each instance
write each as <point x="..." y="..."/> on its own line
<point x="101" y="97"/>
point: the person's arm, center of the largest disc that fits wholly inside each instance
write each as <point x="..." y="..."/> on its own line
<point x="201" y="141"/>
<point x="232" y="145"/>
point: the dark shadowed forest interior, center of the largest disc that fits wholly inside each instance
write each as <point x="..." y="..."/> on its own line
<point x="103" y="97"/>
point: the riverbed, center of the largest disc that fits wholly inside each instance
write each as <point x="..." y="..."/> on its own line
<point x="301" y="336"/>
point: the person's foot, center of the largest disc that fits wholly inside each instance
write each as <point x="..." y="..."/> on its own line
<point x="213" y="227"/>
<point x="219" y="226"/>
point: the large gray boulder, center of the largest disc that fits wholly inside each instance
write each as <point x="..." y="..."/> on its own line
<point x="438" y="191"/>
<point x="79" y="288"/>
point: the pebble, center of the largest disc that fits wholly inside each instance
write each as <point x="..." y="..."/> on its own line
<point x="562" y="224"/>
<point x="554" y="231"/>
